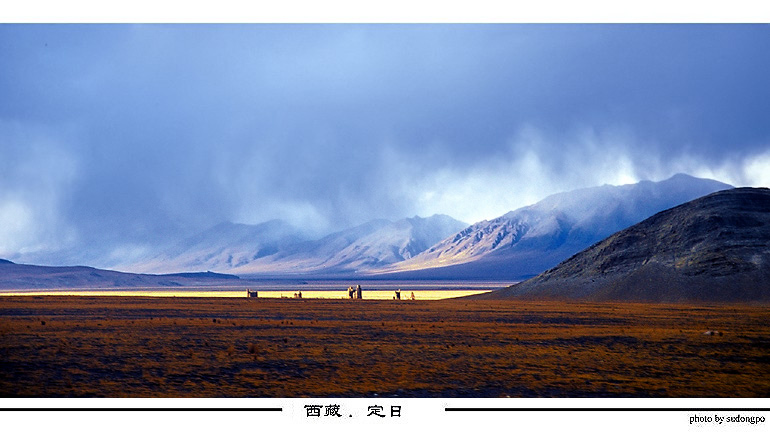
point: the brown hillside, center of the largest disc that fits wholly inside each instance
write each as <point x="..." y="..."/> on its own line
<point x="715" y="248"/>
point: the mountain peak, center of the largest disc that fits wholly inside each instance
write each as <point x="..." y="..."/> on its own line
<point x="682" y="176"/>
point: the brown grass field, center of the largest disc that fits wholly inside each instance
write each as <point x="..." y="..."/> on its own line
<point x="217" y="347"/>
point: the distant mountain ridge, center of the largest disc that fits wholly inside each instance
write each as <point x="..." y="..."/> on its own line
<point x="368" y="246"/>
<point x="276" y="247"/>
<point x="23" y="276"/>
<point x="529" y="240"/>
<point x="715" y="248"/>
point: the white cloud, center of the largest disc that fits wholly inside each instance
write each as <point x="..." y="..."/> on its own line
<point x="36" y="175"/>
<point x="751" y="170"/>
<point x="15" y="226"/>
<point x="536" y="166"/>
<point x="532" y="168"/>
<point x="300" y="214"/>
<point x="756" y="170"/>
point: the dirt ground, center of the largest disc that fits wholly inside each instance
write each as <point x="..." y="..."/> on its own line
<point x="217" y="347"/>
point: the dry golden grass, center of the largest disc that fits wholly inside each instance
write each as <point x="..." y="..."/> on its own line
<point x="180" y="347"/>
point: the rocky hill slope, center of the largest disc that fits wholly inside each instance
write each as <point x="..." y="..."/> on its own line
<point x="715" y="248"/>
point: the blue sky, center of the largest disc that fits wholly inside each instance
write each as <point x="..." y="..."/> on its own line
<point x="121" y="136"/>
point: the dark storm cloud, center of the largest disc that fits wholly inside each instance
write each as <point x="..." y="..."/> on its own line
<point x="144" y="133"/>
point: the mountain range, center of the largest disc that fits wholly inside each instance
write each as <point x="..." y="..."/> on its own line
<point x="277" y="248"/>
<point x="715" y="249"/>
<point x="529" y="240"/>
<point x="515" y="246"/>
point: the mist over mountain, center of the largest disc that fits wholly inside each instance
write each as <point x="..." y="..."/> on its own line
<point x="529" y="240"/>
<point x="222" y="247"/>
<point x="715" y="248"/>
<point x="276" y="247"/>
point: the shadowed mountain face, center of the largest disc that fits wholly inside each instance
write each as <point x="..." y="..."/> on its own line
<point x="527" y="241"/>
<point x="716" y="248"/>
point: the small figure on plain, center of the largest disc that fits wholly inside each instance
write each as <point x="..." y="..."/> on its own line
<point x="350" y="292"/>
<point x="299" y="294"/>
<point x="358" y="292"/>
<point x="398" y="294"/>
<point x="412" y="295"/>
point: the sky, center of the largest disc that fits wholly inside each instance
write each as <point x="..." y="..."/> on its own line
<point x="120" y="137"/>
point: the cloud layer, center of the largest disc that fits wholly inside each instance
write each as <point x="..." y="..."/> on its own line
<point x="123" y="136"/>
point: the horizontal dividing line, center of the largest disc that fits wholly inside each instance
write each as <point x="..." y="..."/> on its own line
<point x="556" y="409"/>
<point x="128" y="409"/>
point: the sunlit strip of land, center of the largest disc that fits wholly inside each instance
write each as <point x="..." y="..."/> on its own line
<point x="370" y="295"/>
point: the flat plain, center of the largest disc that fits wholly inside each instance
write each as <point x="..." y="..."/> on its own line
<point x="71" y="346"/>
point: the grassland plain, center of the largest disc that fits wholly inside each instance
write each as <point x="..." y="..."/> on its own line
<point x="58" y="346"/>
